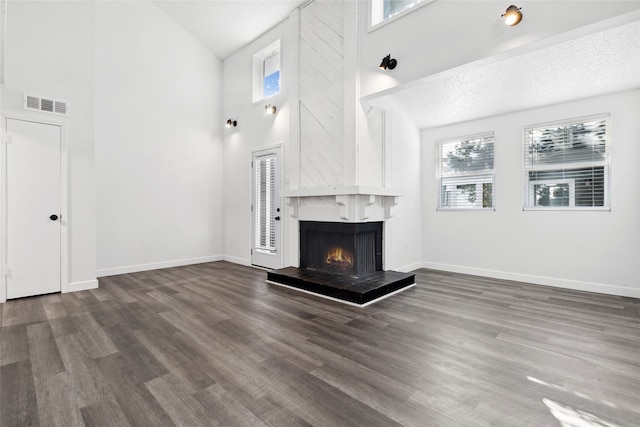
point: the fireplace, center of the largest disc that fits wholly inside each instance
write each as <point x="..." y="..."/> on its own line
<point x="342" y="261"/>
<point x="352" y="249"/>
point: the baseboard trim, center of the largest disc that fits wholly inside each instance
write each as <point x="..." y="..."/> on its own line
<point x="81" y="286"/>
<point x="236" y="260"/>
<point x="538" y="280"/>
<point x="156" y="265"/>
<point x="407" y="268"/>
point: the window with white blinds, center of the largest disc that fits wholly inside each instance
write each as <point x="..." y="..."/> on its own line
<point x="566" y="164"/>
<point x="464" y="169"/>
<point x="265" y="203"/>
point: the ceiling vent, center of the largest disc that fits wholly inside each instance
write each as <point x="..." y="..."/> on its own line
<point x="47" y="105"/>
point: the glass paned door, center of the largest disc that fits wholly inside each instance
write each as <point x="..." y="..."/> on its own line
<point x="266" y="209"/>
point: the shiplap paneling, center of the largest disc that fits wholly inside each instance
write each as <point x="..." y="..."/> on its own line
<point x="321" y="90"/>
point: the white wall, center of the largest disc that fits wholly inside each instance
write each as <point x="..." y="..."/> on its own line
<point x="403" y="231"/>
<point x="448" y="33"/>
<point x="255" y="130"/>
<point x="593" y="251"/>
<point x="433" y="38"/>
<point x="158" y="142"/>
<point x="50" y="52"/>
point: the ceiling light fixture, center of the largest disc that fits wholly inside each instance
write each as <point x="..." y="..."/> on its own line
<point x="388" y="63"/>
<point x="270" y="109"/>
<point x="512" y="16"/>
<point x="231" y="122"/>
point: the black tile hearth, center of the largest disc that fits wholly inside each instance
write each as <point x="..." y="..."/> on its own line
<point x="359" y="291"/>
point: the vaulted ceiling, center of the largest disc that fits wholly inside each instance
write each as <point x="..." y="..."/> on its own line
<point x="224" y="26"/>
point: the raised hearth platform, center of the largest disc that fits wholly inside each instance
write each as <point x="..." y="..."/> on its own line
<point x="359" y="291"/>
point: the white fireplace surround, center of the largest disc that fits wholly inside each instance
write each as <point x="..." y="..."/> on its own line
<point x="342" y="204"/>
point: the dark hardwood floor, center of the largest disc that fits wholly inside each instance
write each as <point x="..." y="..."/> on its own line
<point x="214" y="345"/>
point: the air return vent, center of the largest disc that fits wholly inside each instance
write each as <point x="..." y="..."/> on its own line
<point x="46" y="105"/>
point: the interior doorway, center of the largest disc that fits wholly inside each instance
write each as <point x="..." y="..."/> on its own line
<point x="33" y="208"/>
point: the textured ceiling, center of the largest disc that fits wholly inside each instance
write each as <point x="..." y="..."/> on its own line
<point x="581" y="64"/>
<point x="224" y="26"/>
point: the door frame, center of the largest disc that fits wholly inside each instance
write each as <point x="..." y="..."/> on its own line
<point x="64" y="198"/>
<point x="279" y="150"/>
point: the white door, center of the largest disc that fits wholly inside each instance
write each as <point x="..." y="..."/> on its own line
<point x="33" y="195"/>
<point x="266" y="209"/>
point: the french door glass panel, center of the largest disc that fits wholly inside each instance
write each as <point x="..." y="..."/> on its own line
<point x="266" y="209"/>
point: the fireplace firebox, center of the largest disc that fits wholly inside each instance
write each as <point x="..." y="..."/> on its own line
<point x="341" y="248"/>
<point x="342" y="261"/>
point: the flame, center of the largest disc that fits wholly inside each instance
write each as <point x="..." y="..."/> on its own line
<point x="339" y="256"/>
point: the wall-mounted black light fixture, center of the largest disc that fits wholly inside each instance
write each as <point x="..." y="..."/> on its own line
<point x="388" y="63"/>
<point x="512" y="16"/>
<point x="231" y="122"/>
<point x="270" y="109"/>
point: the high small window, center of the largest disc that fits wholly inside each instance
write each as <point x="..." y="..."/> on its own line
<point x="382" y="10"/>
<point x="566" y="164"/>
<point x="464" y="169"/>
<point x="266" y="72"/>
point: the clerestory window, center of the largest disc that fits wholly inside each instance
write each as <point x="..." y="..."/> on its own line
<point x="384" y="10"/>
<point x="266" y="72"/>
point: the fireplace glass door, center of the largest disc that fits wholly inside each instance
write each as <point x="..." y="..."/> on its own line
<point x="341" y="248"/>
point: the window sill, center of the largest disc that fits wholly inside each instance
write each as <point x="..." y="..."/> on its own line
<point x="465" y="209"/>
<point x="268" y="100"/>
<point x="572" y="209"/>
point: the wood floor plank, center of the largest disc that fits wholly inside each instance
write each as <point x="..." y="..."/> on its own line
<point x="18" y="405"/>
<point x="96" y="340"/>
<point x="14" y="344"/>
<point x="226" y="409"/>
<point x="86" y="384"/>
<point x="176" y="398"/>
<point x="319" y="401"/>
<point x="60" y="406"/>
<point x="43" y="350"/>
<point x="105" y="412"/>
<point x="136" y="401"/>
<point x="174" y="360"/>
<point x="213" y="344"/>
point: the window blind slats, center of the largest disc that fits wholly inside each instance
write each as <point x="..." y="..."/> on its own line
<point x="272" y="64"/>
<point x="464" y="168"/>
<point x="265" y="203"/>
<point x="566" y="164"/>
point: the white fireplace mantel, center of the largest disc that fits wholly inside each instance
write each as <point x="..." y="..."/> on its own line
<point x="346" y="204"/>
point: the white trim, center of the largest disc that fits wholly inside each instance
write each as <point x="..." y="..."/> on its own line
<point x="600" y="288"/>
<point x="3" y="40"/>
<point x="353" y="304"/>
<point x="156" y="265"/>
<point x="407" y="268"/>
<point x="240" y="261"/>
<point x="81" y="286"/>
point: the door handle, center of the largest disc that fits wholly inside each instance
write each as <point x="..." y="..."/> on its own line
<point x="53" y="217"/>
